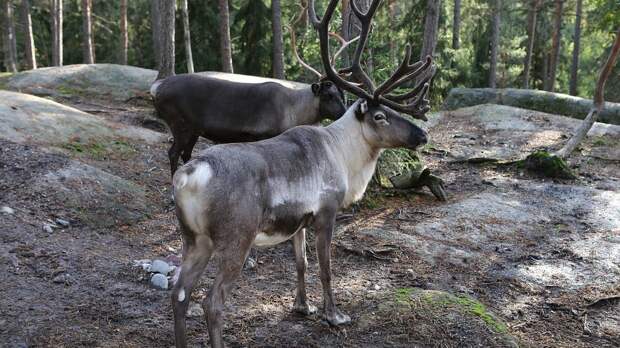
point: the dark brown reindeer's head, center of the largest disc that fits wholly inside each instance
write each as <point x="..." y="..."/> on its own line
<point x="378" y="109"/>
<point x="331" y="99"/>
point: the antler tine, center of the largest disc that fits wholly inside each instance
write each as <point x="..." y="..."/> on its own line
<point x="403" y="74"/>
<point x="365" y="19"/>
<point x="344" y="44"/>
<point x="417" y="109"/>
<point x="289" y="27"/>
<point x="416" y="90"/>
<point x="322" y="26"/>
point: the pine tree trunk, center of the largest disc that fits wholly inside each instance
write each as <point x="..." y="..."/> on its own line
<point x="10" y="46"/>
<point x="124" y="33"/>
<point x="393" y="10"/>
<point x="31" y="58"/>
<point x="188" y="41"/>
<point x="495" y="44"/>
<point x="166" y="45"/>
<point x="225" y="45"/>
<point x="57" y="33"/>
<point x="87" y="33"/>
<point x="555" y="46"/>
<point x="431" y="23"/>
<point x="531" y="35"/>
<point x="155" y="29"/>
<point x="576" y="43"/>
<point x="456" y="25"/>
<point x="278" y="52"/>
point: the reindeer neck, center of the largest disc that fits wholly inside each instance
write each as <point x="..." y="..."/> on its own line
<point x="305" y="107"/>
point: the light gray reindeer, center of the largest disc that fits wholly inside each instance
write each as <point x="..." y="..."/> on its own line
<point x="234" y="196"/>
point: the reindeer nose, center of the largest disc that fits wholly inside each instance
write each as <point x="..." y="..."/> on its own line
<point x="424" y="138"/>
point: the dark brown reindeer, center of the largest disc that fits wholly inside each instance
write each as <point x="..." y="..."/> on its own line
<point x="234" y="196"/>
<point x="194" y="105"/>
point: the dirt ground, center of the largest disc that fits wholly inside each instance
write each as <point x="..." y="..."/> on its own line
<point x="78" y="285"/>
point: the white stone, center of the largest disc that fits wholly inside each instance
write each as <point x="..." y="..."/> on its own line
<point x="159" y="281"/>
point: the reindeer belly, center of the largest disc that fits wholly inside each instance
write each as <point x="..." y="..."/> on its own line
<point x="283" y="226"/>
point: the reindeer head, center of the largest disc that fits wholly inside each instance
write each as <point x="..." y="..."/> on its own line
<point x="378" y="108"/>
<point x="331" y="99"/>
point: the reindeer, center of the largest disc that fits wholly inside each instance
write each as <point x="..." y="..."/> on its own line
<point x="225" y="111"/>
<point x="234" y="196"/>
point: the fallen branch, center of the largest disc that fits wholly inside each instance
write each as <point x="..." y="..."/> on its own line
<point x="599" y="102"/>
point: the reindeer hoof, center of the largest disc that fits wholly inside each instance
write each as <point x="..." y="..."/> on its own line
<point x="304" y="309"/>
<point x="338" y="318"/>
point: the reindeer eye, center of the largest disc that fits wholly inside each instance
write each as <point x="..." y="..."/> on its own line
<point x="380" y="116"/>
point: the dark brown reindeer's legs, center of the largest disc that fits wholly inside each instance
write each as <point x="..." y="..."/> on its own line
<point x="196" y="255"/>
<point x="301" y="302"/>
<point x="324" y="226"/>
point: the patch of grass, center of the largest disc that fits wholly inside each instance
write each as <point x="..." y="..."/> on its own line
<point x="68" y="90"/>
<point x="100" y="150"/>
<point x="4" y="79"/>
<point x="600" y="141"/>
<point x="402" y="296"/>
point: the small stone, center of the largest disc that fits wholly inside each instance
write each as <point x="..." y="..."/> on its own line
<point x="47" y="228"/>
<point x="410" y="271"/>
<point x="159" y="281"/>
<point x="7" y="210"/>
<point x="162" y="267"/>
<point x="377" y="287"/>
<point x="62" y="279"/>
<point x="63" y="223"/>
<point x="195" y="310"/>
<point x="250" y="263"/>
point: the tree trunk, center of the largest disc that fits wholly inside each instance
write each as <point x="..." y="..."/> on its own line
<point x="555" y="47"/>
<point x="456" y="25"/>
<point x="225" y="46"/>
<point x="10" y="45"/>
<point x="599" y="101"/>
<point x="87" y="33"/>
<point x="278" y="53"/>
<point x="31" y="58"/>
<point x="531" y="34"/>
<point x="188" y="41"/>
<point x="393" y="11"/>
<point x="166" y="45"/>
<point x="57" y="33"/>
<point x="495" y="44"/>
<point x="431" y="23"/>
<point x="155" y="29"/>
<point x="576" y="43"/>
<point x="124" y="34"/>
<point x="304" y="15"/>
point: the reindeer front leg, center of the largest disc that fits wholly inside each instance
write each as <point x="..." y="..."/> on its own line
<point x="324" y="226"/>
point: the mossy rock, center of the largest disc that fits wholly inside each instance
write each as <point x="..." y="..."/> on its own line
<point x="549" y="165"/>
<point x="420" y="317"/>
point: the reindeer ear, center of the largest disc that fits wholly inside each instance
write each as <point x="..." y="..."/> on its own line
<point x="362" y="108"/>
<point x="316" y="88"/>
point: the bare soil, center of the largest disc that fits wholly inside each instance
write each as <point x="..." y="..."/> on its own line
<point x="78" y="286"/>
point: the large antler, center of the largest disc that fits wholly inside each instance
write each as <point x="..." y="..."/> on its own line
<point x="344" y="44"/>
<point x="417" y="105"/>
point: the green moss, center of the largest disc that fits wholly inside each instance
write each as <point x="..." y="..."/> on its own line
<point x="402" y="296"/>
<point x="69" y="90"/>
<point x="4" y="79"/>
<point x="100" y="150"/>
<point x="549" y="165"/>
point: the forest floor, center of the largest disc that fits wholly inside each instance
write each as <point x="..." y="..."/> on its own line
<point x="511" y="259"/>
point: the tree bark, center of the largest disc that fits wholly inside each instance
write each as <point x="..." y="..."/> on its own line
<point x="155" y="29"/>
<point x="10" y="45"/>
<point x="166" y="45"/>
<point x="576" y="43"/>
<point x="555" y="47"/>
<point x="124" y="33"/>
<point x="87" y="33"/>
<point x="531" y="35"/>
<point x="31" y="58"/>
<point x="188" y="41"/>
<point x="225" y="45"/>
<point x="278" y="52"/>
<point x="456" y="25"/>
<point x="495" y="44"/>
<point x="57" y="33"/>
<point x="599" y="101"/>
<point x="431" y="23"/>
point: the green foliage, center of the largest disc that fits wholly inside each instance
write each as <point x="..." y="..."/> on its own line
<point x="253" y="56"/>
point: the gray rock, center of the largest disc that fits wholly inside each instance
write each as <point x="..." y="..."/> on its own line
<point x="63" y="278"/>
<point x="7" y="210"/>
<point x="250" y="263"/>
<point x="159" y="266"/>
<point x="195" y="310"/>
<point x="63" y="223"/>
<point x="47" y="228"/>
<point x="159" y="281"/>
